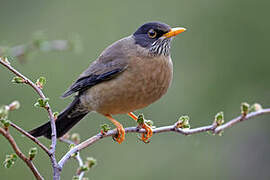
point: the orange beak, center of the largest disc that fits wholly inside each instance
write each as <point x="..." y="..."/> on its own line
<point x="174" y="32"/>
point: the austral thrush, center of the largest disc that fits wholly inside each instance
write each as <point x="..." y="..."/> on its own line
<point x="130" y="74"/>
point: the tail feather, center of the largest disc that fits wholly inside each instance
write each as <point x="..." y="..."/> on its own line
<point x="64" y="122"/>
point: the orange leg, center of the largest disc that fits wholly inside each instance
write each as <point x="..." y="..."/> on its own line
<point x="148" y="129"/>
<point x="121" y="131"/>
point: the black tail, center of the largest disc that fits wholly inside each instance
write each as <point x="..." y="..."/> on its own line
<point x="64" y="122"/>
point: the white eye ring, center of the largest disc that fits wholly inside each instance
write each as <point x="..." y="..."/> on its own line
<point x="152" y="33"/>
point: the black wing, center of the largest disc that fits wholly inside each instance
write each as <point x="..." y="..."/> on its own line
<point x="88" y="81"/>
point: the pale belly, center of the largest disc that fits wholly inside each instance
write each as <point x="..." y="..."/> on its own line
<point x="141" y="84"/>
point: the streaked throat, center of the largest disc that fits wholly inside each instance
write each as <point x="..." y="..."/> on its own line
<point x="161" y="47"/>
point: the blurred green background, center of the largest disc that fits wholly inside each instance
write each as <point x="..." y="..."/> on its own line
<point x="221" y="61"/>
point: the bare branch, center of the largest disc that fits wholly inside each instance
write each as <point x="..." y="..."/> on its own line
<point x="56" y="173"/>
<point x="21" y="51"/>
<point x="17" y="150"/>
<point x="31" y="137"/>
<point x="78" y="157"/>
<point x="173" y="128"/>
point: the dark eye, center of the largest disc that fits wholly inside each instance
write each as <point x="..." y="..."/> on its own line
<point x="152" y="33"/>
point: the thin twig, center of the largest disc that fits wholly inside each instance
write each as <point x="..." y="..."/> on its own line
<point x="212" y="128"/>
<point x="17" y="150"/>
<point x="56" y="173"/>
<point x="20" y="51"/>
<point x="31" y="137"/>
<point x="78" y="157"/>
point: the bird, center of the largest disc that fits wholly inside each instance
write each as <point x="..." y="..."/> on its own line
<point x="130" y="74"/>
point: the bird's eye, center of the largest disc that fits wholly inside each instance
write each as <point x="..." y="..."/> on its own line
<point x="152" y="33"/>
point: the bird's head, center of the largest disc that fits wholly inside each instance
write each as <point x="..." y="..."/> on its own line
<point x="156" y="37"/>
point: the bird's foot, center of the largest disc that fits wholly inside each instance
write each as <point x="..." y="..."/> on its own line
<point x="148" y="134"/>
<point x="120" y="136"/>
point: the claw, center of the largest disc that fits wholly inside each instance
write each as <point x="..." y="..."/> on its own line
<point x="120" y="130"/>
<point x="148" y="134"/>
<point x="120" y="136"/>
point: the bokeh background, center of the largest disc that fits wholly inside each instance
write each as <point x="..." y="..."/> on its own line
<point x="221" y="61"/>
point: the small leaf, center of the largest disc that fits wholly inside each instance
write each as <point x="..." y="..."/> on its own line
<point x="41" y="102"/>
<point x="255" y="107"/>
<point x="10" y="160"/>
<point x="219" y="118"/>
<point x="17" y="80"/>
<point x="41" y="82"/>
<point x="244" y="108"/>
<point x="4" y="112"/>
<point x="5" y="59"/>
<point x="75" y="178"/>
<point x="183" y="122"/>
<point x="140" y="119"/>
<point x="105" y="128"/>
<point x="72" y="146"/>
<point x="90" y="162"/>
<point x="32" y="153"/>
<point x="75" y="137"/>
<point x="5" y="122"/>
<point x="149" y="123"/>
<point x="55" y="114"/>
<point x="83" y="168"/>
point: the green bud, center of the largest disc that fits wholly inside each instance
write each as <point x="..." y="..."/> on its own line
<point x="255" y="107"/>
<point x="75" y="137"/>
<point x="183" y="122"/>
<point x="14" y="105"/>
<point x="149" y="123"/>
<point x="32" y="153"/>
<point x="10" y="160"/>
<point x="5" y="51"/>
<point x="4" y="112"/>
<point x="55" y="114"/>
<point x="90" y="162"/>
<point x="41" y="102"/>
<point x="105" y="128"/>
<point x="140" y="119"/>
<point x="219" y="118"/>
<point x="41" y="82"/>
<point x="17" y="80"/>
<point x="84" y="168"/>
<point x="75" y="178"/>
<point x="5" y="122"/>
<point x="244" y="108"/>
<point x="72" y="146"/>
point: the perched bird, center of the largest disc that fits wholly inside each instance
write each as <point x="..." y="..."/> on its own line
<point x="130" y="74"/>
